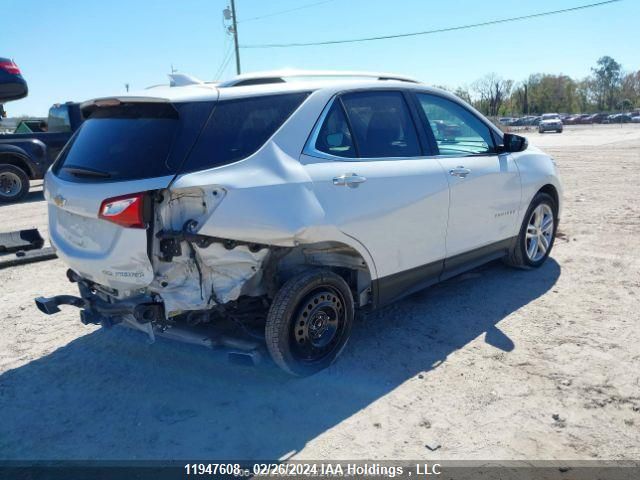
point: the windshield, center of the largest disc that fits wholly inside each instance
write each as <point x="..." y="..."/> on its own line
<point x="550" y="116"/>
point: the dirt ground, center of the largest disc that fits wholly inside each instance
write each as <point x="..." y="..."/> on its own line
<point x="496" y="364"/>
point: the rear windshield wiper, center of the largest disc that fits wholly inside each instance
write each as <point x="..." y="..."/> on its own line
<point x="85" y="172"/>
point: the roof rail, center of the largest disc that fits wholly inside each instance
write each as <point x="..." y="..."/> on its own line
<point x="278" y="76"/>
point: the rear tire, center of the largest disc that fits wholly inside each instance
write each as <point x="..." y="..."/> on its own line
<point x="14" y="183"/>
<point x="536" y="234"/>
<point x="309" y="322"/>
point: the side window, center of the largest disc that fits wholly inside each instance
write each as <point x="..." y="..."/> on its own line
<point x="382" y="125"/>
<point x="239" y="127"/>
<point x="457" y="131"/>
<point x="334" y="137"/>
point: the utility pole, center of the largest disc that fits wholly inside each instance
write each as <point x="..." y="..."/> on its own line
<point x="235" y="35"/>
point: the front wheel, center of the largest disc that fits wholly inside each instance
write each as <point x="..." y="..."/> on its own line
<point x="309" y="322"/>
<point x="14" y="183"/>
<point x="537" y="233"/>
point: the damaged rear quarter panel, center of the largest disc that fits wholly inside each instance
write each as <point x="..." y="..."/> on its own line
<point x="267" y="198"/>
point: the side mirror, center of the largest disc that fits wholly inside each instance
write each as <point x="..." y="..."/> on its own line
<point x="513" y="143"/>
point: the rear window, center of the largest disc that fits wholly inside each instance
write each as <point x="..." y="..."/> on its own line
<point x="238" y="128"/>
<point x="59" y="119"/>
<point x="132" y="141"/>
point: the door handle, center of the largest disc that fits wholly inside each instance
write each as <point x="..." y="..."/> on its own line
<point x="460" y="172"/>
<point x="349" y="180"/>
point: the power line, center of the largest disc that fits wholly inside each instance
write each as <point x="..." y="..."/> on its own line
<point x="284" y="11"/>
<point x="428" y="32"/>
<point x="225" y="56"/>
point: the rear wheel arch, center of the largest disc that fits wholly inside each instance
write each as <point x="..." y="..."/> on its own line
<point x="337" y="257"/>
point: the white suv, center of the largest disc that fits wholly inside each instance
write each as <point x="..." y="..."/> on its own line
<point x="270" y="209"/>
<point x="550" y="122"/>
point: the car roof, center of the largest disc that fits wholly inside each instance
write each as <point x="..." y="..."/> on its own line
<point x="203" y="91"/>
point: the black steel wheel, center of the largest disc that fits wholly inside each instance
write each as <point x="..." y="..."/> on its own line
<point x="309" y="322"/>
<point x="14" y="183"/>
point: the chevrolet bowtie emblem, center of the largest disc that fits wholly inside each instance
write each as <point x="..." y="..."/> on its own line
<point x="59" y="200"/>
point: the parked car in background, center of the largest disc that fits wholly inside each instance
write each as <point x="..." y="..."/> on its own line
<point x="619" y="118"/>
<point x="448" y="131"/>
<point x="507" y="121"/>
<point x="583" y="119"/>
<point x="287" y="207"/>
<point x="550" y="122"/>
<point x="12" y="84"/>
<point x="27" y="153"/>
<point x="570" y="120"/>
<point x="635" y="119"/>
<point x="597" y="117"/>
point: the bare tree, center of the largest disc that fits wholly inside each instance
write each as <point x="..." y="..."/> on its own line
<point x="492" y="92"/>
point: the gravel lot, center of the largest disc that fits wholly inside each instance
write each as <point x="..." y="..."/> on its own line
<point x="496" y="364"/>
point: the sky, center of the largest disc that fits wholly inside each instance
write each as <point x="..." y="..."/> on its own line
<point x="81" y="49"/>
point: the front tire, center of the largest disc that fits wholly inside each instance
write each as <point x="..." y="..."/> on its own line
<point x="537" y="234"/>
<point x="309" y="322"/>
<point x="14" y="183"/>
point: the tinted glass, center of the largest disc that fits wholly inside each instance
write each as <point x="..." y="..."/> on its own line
<point x="238" y="128"/>
<point x="59" y="119"/>
<point x="131" y="142"/>
<point x="334" y="137"/>
<point x="382" y="124"/>
<point x="456" y="129"/>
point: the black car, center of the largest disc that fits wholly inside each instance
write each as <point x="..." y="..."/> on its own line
<point x="12" y="85"/>
<point x="27" y="153"/>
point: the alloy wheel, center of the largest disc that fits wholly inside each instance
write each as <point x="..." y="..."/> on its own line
<point x="540" y="230"/>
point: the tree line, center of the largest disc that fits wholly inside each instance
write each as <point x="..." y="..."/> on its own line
<point x="607" y="89"/>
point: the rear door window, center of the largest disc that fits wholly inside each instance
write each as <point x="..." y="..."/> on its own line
<point x="238" y="128"/>
<point x="132" y="141"/>
<point x="382" y="124"/>
<point x="335" y="136"/>
<point x="58" y="120"/>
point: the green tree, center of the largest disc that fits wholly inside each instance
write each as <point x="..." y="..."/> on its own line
<point x="608" y="76"/>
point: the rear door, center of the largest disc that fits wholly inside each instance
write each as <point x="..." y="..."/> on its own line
<point x="98" y="191"/>
<point x="484" y="185"/>
<point x="375" y="180"/>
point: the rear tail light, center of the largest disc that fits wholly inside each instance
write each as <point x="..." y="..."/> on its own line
<point x="10" y="67"/>
<point x="126" y="211"/>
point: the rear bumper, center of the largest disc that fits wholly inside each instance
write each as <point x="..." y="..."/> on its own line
<point x="144" y="315"/>
<point x="549" y="127"/>
<point x="99" y="312"/>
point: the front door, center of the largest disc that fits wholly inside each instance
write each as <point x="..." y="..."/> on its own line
<point x="484" y="185"/>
